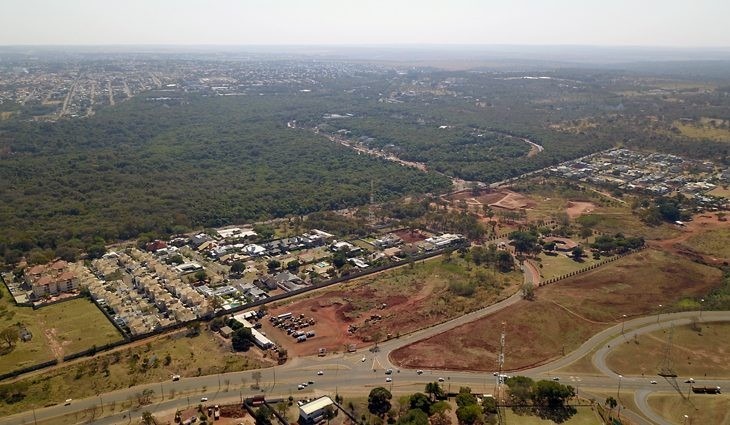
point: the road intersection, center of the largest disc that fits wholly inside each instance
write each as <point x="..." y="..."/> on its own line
<point x="347" y="374"/>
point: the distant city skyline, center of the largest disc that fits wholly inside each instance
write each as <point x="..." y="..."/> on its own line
<point x="675" y="23"/>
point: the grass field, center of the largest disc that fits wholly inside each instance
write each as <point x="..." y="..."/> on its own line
<point x="720" y="191"/>
<point x="715" y="242"/>
<point x="697" y="354"/>
<point x="59" y="329"/>
<point x="614" y="220"/>
<point x="700" y="409"/>
<point x="626" y="400"/>
<point x="565" y="314"/>
<point x="558" y="265"/>
<point x="204" y="354"/>
<point x="702" y="130"/>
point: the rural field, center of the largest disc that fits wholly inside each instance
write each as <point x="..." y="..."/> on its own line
<point x="393" y="303"/>
<point x="58" y="330"/>
<point x="140" y="363"/>
<point x="700" y="409"/>
<point x="714" y="242"/>
<point x="700" y="352"/>
<point x="704" y="129"/>
<point x="565" y="314"/>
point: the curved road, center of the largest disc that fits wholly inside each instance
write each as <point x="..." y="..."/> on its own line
<point x="348" y="374"/>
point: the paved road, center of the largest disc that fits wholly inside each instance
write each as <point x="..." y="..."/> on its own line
<point x="348" y="374"/>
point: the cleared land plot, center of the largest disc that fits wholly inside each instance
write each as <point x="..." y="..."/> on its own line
<point x="697" y="354"/>
<point x="700" y="239"/>
<point x="612" y="220"/>
<point x="58" y="330"/>
<point x="700" y="409"/>
<point x="714" y="242"/>
<point x="395" y="302"/>
<point x="565" y="314"/>
<point x="141" y="363"/>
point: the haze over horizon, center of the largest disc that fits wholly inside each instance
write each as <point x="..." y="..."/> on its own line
<point x="655" y="23"/>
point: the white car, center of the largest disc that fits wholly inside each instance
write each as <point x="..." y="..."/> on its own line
<point x="175" y="377"/>
<point x="320" y="373"/>
<point x="363" y="360"/>
<point x="389" y="379"/>
<point x="441" y="379"/>
<point x="419" y="371"/>
<point x="203" y="399"/>
<point x="300" y="387"/>
<point x="652" y="382"/>
<point x="68" y="402"/>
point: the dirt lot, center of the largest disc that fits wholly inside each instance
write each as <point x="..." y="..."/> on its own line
<point x="514" y="201"/>
<point x="394" y="302"/>
<point x="410" y="236"/>
<point x="578" y="208"/>
<point x="698" y="240"/>
<point x="565" y="314"/>
<point x="501" y="198"/>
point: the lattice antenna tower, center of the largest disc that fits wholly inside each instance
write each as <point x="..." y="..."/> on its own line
<point x="666" y="367"/>
<point x="498" y="393"/>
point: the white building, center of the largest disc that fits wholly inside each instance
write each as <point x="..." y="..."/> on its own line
<point x="313" y="412"/>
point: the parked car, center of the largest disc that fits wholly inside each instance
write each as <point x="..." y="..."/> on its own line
<point x="389" y="379"/>
<point x="320" y="373"/>
<point x="68" y="402"/>
<point x="419" y="371"/>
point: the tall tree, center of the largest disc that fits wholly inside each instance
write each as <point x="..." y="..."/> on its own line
<point x="379" y="401"/>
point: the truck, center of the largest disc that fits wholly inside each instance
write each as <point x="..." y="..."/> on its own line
<point x="322" y="352"/>
<point x="283" y="316"/>
<point x="706" y="390"/>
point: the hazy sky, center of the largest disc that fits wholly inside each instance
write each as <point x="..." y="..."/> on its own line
<point x="602" y="22"/>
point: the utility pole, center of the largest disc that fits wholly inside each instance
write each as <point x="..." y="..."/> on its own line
<point x="618" y="397"/>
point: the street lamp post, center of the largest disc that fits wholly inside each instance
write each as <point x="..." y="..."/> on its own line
<point x="701" y="301"/>
<point x="623" y="323"/>
<point x="685" y="420"/>
<point x="660" y="313"/>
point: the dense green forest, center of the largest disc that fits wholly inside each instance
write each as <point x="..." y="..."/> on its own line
<point x="170" y="161"/>
<point x="170" y="166"/>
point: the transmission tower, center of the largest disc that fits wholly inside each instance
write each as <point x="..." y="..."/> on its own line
<point x="498" y="390"/>
<point x="666" y="367"/>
